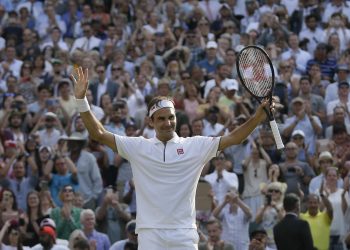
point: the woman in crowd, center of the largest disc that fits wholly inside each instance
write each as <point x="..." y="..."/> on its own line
<point x="339" y="199"/>
<point x="11" y="230"/>
<point x="32" y="219"/>
<point x="8" y="206"/>
<point x="67" y="217"/>
<point x="272" y="211"/>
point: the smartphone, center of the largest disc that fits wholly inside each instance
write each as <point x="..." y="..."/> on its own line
<point x="268" y="199"/>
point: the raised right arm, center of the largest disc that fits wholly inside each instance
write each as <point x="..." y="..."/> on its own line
<point x="93" y="125"/>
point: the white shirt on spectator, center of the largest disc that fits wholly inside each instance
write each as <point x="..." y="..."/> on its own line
<point x="301" y="58"/>
<point x="331" y="8"/>
<point x="47" y="139"/>
<point x="344" y="36"/>
<point x="220" y="187"/>
<point x="210" y="130"/>
<point x="61" y="44"/>
<point x="211" y="9"/>
<point x="42" y="24"/>
<point x="315" y="37"/>
<point x="15" y="68"/>
<point x="86" y="44"/>
<point x="332" y="104"/>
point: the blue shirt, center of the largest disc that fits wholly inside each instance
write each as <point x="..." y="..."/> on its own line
<point x="102" y="241"/>
<point x="58" y="182"/>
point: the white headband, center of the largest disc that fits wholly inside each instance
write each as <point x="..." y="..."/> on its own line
<point x="160" y="105"/>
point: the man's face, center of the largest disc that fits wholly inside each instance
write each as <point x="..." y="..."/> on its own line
<point x="214" y="232"/>
<point x="164" y="123"/>
<point x="15" y="121"/>
<point x="18" y="169"/>
<point x="197" y="128"/>
<point x="261" y="237"/>
<point x="49" y="122"/>
<point x="89" y="222"/>
<point x="313" y="204"/>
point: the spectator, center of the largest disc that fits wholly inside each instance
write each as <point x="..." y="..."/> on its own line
<point x="131" y="237"/>
<point x="272" y="211"/>
<point x="255" y="172"/>
<point x="332" y="89"/>
<point x="214" y="230"/>
<point x="304" y="120"/>
<point x="258" y="240"/>
<point x="48" y="237"/>
<point x="221" y="180"/>
<point x="319" y="221"/>
<point x="11" y="229"/>
<point x="20" y="184"/>
<point x="292" y="232"/>
<point x="211" y="61"/>
<point x="89" y="177"/>
<point x="343" y="100"/>
<point x="88" y="222"/>
<point x="129" y="196"/>
<point x="88" y="41"/>
<point x="325" y="161"/>
<point x="235" y="220"/>
<point x="112" y="215"/>
<point x="32" y="219"/>
<point x="9" y="206"/>
<point x="339" y="113"/>
<point x="66" y="218"/>
<point x="65" y="173"/>
<point x="313" y="33"/>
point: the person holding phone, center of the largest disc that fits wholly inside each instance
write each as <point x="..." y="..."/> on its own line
<point x="272" y="211"/>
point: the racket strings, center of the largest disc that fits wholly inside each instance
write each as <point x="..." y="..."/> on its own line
<point x="256" y="72"/>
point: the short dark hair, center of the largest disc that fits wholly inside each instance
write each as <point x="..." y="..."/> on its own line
<point x="290" y="202"/>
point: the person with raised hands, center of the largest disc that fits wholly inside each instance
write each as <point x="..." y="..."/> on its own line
<point x="166" y="166"/>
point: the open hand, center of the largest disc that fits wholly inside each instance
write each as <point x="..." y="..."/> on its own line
<point x="80" y="79"/>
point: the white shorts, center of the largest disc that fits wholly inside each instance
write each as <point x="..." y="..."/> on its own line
<point x="168" y="239"/>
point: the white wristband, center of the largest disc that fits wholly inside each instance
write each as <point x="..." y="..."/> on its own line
<point x="82" y="105"/>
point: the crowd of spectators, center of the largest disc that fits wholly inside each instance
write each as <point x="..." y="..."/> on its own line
<point x="60" y="189"/>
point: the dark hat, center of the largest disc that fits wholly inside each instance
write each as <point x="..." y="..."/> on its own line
<point x="257" y="230"/>
<point x="344" y="83"/>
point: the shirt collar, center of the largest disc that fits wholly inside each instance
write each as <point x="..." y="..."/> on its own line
<point x="175" y="139"/>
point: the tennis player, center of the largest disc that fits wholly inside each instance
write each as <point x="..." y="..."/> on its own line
<point x="166" y="168"/>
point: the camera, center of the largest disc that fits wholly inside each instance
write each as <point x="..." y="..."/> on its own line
<point x="268" y="199"/>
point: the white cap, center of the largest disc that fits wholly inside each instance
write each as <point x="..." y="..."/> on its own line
<point x="229" y="84"/>
<point x="212" y="45"/>
<point x="298" y="132"/>
<point x="238" y="48"/>
<point x="252" y="26"/>
<point x="50" y="114"/>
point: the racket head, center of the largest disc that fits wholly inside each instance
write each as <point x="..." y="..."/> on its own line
<point x="256" y="72"/>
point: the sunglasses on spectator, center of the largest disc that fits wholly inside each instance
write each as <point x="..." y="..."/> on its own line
<point x="114" y="69"/>
<point x="298" y="137"/>
<point x="220" y="158"/>
<point x="274" y="191"/>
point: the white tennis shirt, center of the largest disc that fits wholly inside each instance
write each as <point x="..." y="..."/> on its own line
<point x="166" y="177"/>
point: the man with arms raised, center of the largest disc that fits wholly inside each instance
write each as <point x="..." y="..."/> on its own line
<point x="165" y="166"/>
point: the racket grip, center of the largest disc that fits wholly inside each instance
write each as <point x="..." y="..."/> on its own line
<point x="276" y="134"/>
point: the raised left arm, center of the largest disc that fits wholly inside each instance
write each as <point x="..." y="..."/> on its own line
<point x="238" y="135"/>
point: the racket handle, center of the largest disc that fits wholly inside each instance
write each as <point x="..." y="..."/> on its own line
<point x="276" y="134"/>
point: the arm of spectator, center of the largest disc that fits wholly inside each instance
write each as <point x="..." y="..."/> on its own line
<point x="346" y="188"/>
<point x="4" y="171"/>
<point x="4" y="231"/>
<point x="289" y="127"/>
<point x="245" y="208"/>
<point x="260" y="214"/>
<point x="5" y="120"/>
<point x="47" y="170"/>
<point x="121" y="211"/>
<point x="95" y="178"/>
<point x="217" y="210"/>
<point x="2" y="150"/>
<point x="316" y="124"/>
<point x="169" y="52"/>
<point x="102" y="210"/>
<point x="40" y="123"/>
<point x="127" y="198"/>
<point x="72" y="168"/>
<point x="265" y="155"/>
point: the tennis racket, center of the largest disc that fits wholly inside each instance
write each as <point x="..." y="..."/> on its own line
<point x="257" y="75"/>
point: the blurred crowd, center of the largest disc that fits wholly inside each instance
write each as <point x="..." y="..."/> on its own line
<point x="60" y="189"/>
